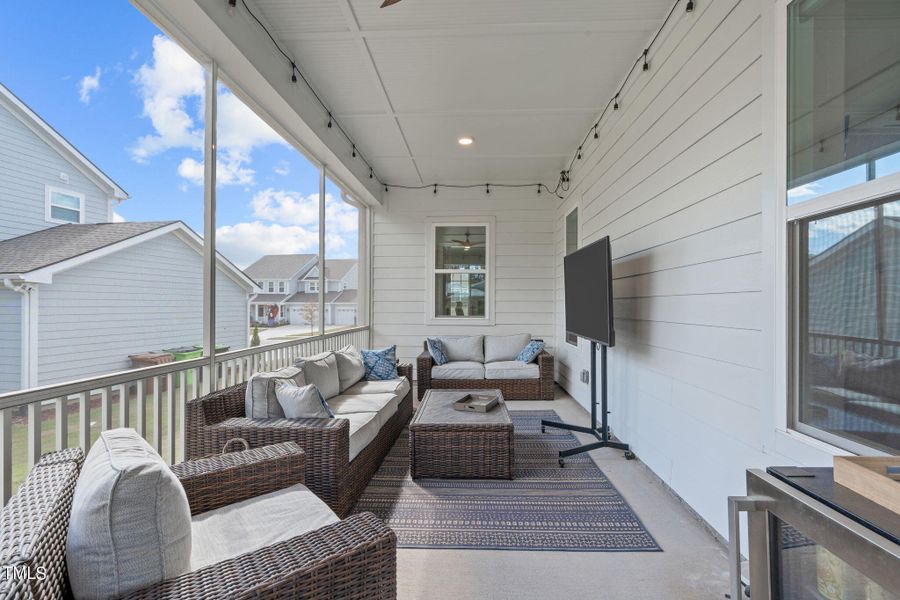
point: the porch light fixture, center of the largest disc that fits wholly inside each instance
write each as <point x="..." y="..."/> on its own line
<point x="465" y="140"/>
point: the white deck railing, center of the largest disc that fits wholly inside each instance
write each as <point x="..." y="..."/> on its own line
<point x="151" y="400"/>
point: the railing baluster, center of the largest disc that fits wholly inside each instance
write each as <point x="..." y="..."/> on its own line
<point x="182" y="407"/>
<point x="62" y="423"/>
<point x="157" y="414"/>
<point x="141" y="407"/>
<point x="170" y="416"/>
<point x="34" y="433"/>
<point x="6" y="454"/>
<point x="105" y="408"/>
<point x="84" y="420"/>
<point x="124" y="405"/>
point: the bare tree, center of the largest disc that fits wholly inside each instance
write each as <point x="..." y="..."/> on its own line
<point x="310" y="313"/>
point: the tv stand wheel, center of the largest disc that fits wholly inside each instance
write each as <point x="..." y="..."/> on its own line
<point x="629" y="455"/>
<point x="562" y="463"/>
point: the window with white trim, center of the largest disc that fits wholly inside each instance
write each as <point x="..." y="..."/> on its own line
<point x="281" y="287"/>
<point x="843" y="218"/>
<point x="461" y="271"/>
<point x="271" y="286"/>
<point x="312" y="285"/>
<point x="64" y="206"/>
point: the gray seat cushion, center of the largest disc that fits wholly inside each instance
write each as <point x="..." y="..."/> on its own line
<point x="504" y="347"/>
<point x="350" y="366"/>
<point x="464" y="369"/>
<point x="399" y="386"/>
<point x="256" y="523"/>
<point x="346" y="404"/>
<point x="364" y="428"/>
<point x="512" y="369"/>
<point x="469" y="348"/>
<point x="322" y="371"/>
<point x="130" y="525"/>
<point x="260" y="401"/>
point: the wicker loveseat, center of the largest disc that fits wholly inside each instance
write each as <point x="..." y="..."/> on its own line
<point x="536" y="385"/>
<point x="218" y="417"/>
<point x="350" y="559"/>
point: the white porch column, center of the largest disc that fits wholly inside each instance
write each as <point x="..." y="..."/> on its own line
<point x="209" y="230"/>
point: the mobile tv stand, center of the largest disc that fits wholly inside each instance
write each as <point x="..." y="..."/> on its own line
<point x="602" y="432"/>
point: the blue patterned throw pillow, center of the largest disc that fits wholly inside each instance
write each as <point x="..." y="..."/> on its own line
<point x="380" y="364"/>
<point x="530" y="352"/>
<point x="436" y="349"/>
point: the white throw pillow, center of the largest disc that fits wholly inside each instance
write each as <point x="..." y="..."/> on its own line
<point x="470" y="348"/>
<point x="350" y="366"/>
<point x="259" y="398"/>
<point x="302" y="402"/>
<point x="322" y="371"/>
<point x="499" y="348"/>
<point x="130" y="525"/>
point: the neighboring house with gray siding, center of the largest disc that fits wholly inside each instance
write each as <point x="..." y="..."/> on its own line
<point x="78" y="293"/>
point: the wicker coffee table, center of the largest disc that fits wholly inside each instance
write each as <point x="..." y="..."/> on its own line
<point x="444" y="442"/>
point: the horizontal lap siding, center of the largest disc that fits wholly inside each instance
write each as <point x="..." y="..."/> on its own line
<point x="524" y="266"/>
<point x="147" y="297"/>
<point x="27" y="164"/>
<point x="675" y="181"/>
<point x="10" y="340"/>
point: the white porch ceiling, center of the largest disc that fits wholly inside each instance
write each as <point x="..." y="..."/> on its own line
<point x="526" y="79"/>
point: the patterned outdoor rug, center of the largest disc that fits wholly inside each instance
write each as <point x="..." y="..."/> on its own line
<point x="573" y="509"/>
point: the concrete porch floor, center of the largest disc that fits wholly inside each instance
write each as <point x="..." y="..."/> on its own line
<point x="693" y="564"/>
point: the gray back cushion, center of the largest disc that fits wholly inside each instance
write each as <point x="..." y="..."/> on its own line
<point x="499" y="348"/>
<point x="322" y="371"/>
<point x="301" y="402"/>
<point x="260" y="401"/>
<point x="464" y="348"/>
<point x="350" y="366"/>
<point x="131" y="524"/>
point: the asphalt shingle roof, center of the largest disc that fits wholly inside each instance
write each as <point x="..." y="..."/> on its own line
<point x="278" y="266"/>
<point x="47" y="247"/>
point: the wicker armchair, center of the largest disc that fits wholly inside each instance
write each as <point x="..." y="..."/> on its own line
<point x="512" y="389"/>
<point x="218" y="417"/>
<point x="355" y="558"/>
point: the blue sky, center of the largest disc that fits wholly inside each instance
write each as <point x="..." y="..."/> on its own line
<point x="131" y="100"/>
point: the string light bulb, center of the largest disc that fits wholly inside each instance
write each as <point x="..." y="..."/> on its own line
<point x="579" y="153"/>
<point x="232" y="4"/>
<point x="646" y="64"/>
<point x="690" y="6"/>
<point x="293" y="73"/>
<point x="386" y="188"/>
<point x="539" y="189"/>
<point x="371" y="173"/>
<point x="487" y="188"/>
<point x="435" y="189"/>
<point x="596" y="135"/>
<point x="353" y="152"/>
<point x="329" y="121"/>
<point x="616" y="102"/>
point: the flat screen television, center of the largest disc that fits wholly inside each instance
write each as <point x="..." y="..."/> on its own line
<point x="588" y="282"/>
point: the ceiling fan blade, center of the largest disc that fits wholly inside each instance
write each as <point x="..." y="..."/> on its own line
<point x="388" y="3"/>
<point x="459" y="241"/>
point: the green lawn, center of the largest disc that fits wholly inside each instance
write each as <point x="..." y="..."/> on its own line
<point x="48" y="429"/>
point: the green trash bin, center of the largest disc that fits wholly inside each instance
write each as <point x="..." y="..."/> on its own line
<point x="186" y="353"/>
<point x="220" y="348"/>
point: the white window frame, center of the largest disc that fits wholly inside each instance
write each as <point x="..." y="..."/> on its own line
<point x="489" y="223"/>
<point x="778" y="219"/>
<point x="270" y="287"/>
<point x="312" y="286"/>
<point x="49" y="190"/>
<point x="281" y="287"/>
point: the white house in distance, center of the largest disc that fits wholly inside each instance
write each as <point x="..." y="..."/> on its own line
<point x="79" y="293"/>
<point x="290" y="285"/>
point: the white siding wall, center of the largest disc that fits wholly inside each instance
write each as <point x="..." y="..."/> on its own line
<point x="675" y="180"/>
<point x="147" y="297"/>
<point x="27" y="164"/>
<point x="10" y="340"/>
<point x="524" y="264"/>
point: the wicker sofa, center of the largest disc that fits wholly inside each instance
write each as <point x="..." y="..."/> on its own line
<point x="351" y="559"/>
<point x="218" y="417"/>
<point x="539" y="385"/>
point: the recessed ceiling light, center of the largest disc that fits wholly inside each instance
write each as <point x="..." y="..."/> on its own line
<point x="465" y="140"/>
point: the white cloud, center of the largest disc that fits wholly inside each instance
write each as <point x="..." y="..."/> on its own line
<point x="245" y="242"/>
<point x="228" y="172"/>
<point x="191" y="170"/>
<point x="292" y="208"/>
<point x="282" y="168"/>
<point x="117" y="218"/>
<point x="88" y="85"/>
<point x="805" y="191"/>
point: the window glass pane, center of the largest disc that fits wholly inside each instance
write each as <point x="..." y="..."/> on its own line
<point x="850" y="325"/>
<point x="65" y="200"/>
<point x="459" y="295"/>
<point x="342" y="267"/>
<point x="843" y="89"/>
<point x="888" y="164"/>
<point x="267" y="224"/>
<point x="572" y="232"/>
<point x="64" y="214"/>
<point x="460" y="247"/>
